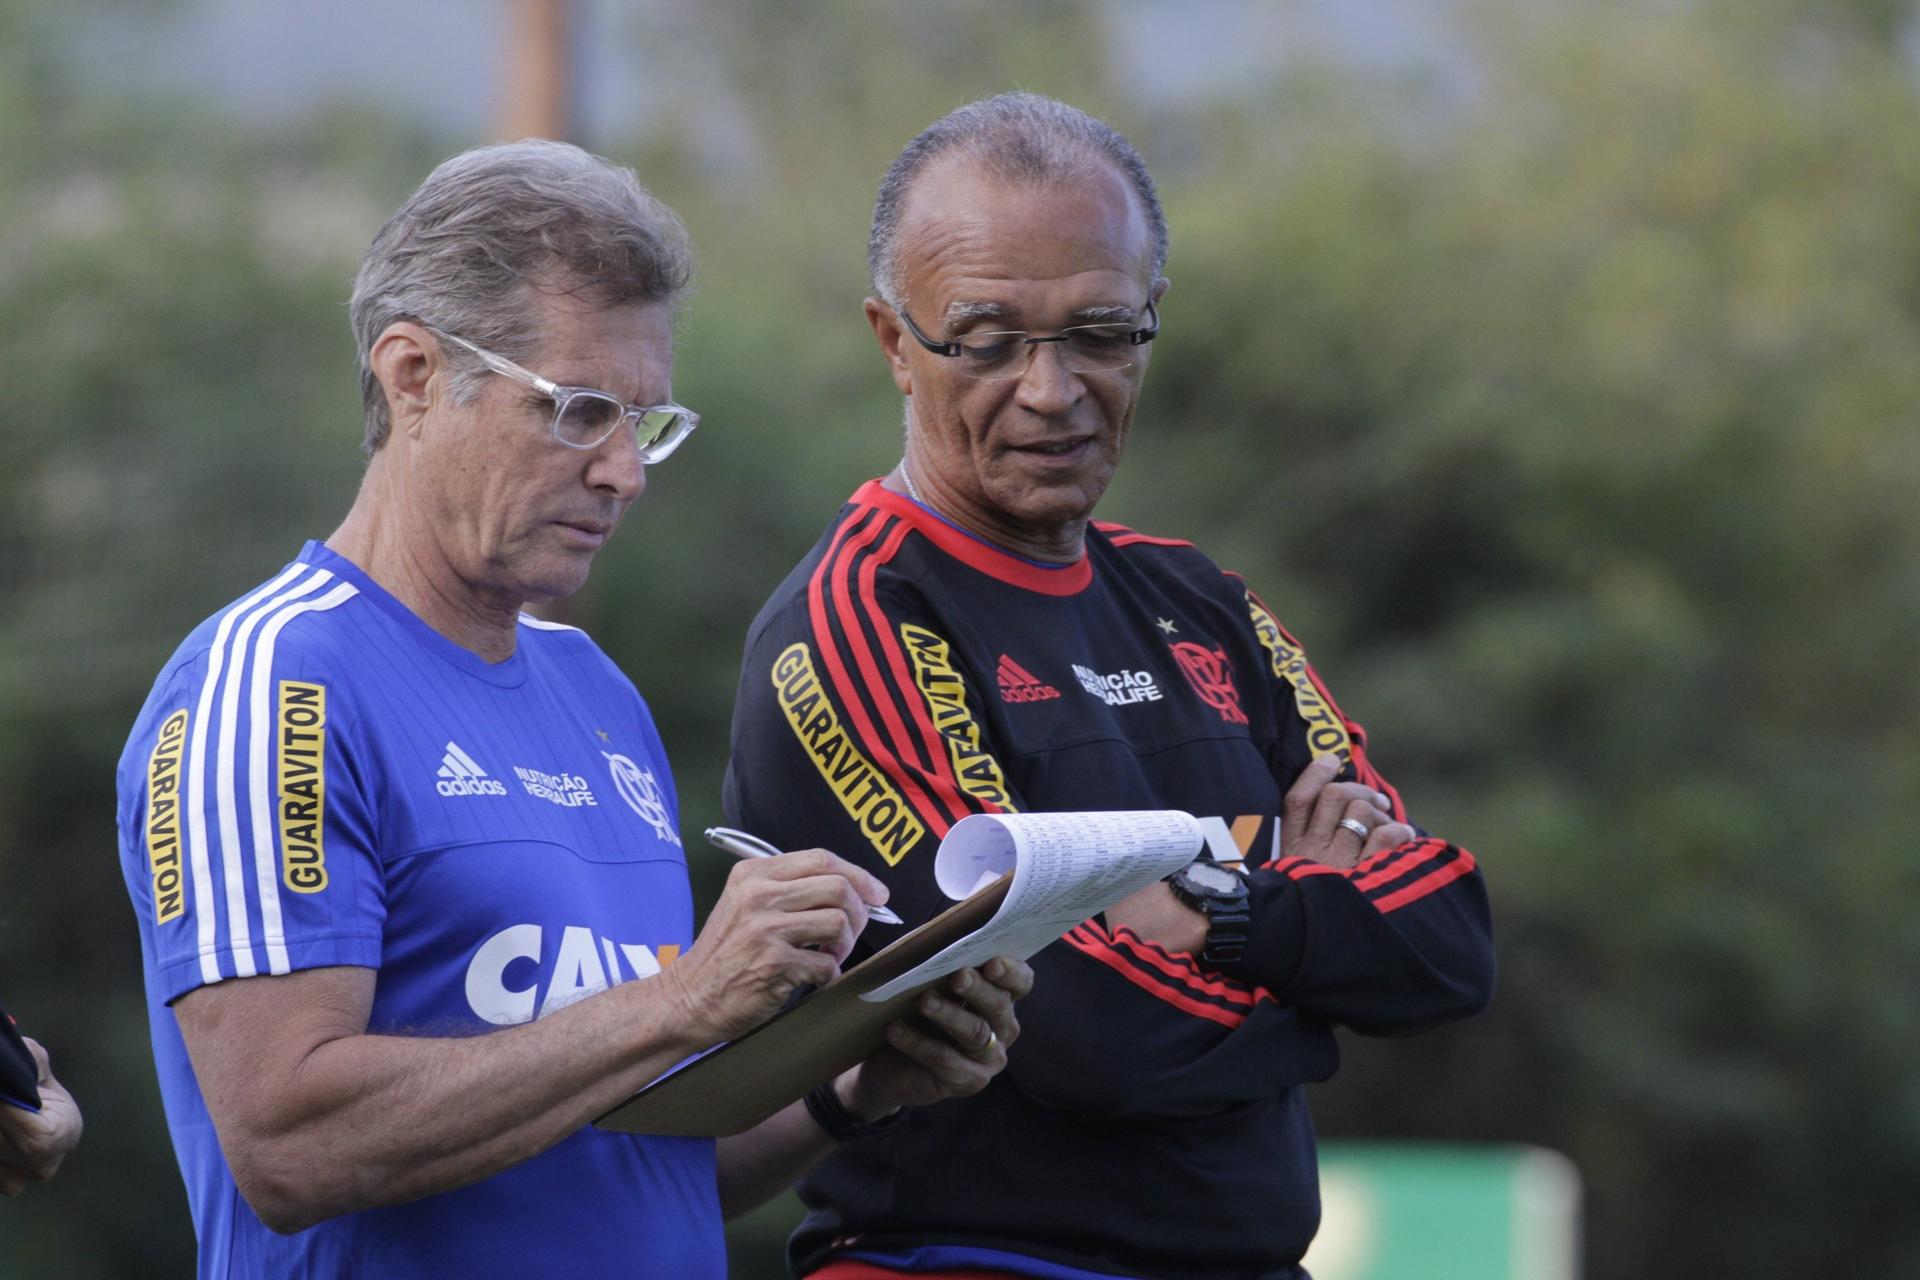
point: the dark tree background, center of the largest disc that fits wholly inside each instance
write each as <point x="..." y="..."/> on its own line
<point x="1564" y="406"/>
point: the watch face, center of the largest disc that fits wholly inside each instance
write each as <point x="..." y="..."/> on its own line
<point x="1211" y="878"/>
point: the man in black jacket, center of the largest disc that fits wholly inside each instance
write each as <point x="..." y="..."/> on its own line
<point x="965" y="638"/>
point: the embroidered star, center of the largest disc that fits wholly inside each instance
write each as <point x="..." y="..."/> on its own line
<point x="604" y="735"/>
<point x="1166" y="625"/>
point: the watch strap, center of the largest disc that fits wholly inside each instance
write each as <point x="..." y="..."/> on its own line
<point x="824" y="1105"/>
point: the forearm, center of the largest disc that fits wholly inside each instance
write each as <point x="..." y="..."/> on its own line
<point x="1397" y="945"/>
<point x="759" y="1164"/>
<point x="317" y="1117"/>
<point x="965" y="1026"/>
<point x="362" y="1120"/>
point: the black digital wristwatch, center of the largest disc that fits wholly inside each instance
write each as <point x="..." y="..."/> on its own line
<point x="1219" y="894"/>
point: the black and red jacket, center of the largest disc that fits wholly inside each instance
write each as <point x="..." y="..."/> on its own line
<point x="1151" y="1120"/>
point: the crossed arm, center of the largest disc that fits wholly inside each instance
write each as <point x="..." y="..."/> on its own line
<point x="317" y="1117"/>
<point x="1311" y="815"/>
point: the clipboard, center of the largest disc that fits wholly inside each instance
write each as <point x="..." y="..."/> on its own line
<point x="732" y="1088"/>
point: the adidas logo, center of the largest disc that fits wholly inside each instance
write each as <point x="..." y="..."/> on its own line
<point x="461" y="776"/>
<point x="1017" y="684"/>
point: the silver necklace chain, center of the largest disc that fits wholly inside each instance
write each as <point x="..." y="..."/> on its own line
<point x="907" y="476"/>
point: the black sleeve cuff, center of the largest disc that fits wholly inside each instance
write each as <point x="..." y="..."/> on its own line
<point x="1278" y="945"/>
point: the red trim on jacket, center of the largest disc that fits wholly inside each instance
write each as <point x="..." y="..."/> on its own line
<point x="1198" y="1008"/>
<point x="972" y="552"/>
<point x="860" y="722"/>
<point x="1180" y="968"/>
<point x="959" y="801"/>
<point x="1121" y="536"/>
<point x="1299" y="868"/>
<point x="1434" y="880"/>
<point x="1400" y="861"/>
<point x="1363" y="770"/>
<point x="862" y="569"/>
<point x="1187" y="991"/>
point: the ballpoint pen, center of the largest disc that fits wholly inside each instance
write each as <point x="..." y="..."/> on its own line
<point x="743" y="845"/>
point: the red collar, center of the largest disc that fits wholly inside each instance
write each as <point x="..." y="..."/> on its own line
<point x="976" y="552"/>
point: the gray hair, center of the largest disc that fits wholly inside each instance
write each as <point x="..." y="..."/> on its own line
<point x="491" y="227"/>
<point x="1017" y="137"/>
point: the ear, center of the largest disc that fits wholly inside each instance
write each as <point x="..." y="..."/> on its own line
<point x="892" y="335"/>
<point x="404" y="358"/>
<point x="1159" y="289"/>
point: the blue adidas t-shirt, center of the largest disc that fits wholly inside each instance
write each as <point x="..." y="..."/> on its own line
<point x="319" y="778"/>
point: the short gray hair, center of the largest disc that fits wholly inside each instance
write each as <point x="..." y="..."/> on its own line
<point x="490" y="227"/>
<point x="1017" y="137"/>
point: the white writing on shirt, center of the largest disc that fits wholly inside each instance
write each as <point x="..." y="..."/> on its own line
<point x="1119" y="688"/>
<point x="568" y="790"/>
<point x="515" y="977"/>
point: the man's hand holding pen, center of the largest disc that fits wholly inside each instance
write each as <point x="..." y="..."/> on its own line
<point x="781" y="923"/>
<point x="787" y="920"/>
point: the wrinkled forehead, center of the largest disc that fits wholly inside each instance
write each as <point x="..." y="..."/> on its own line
<point x="972" y="242"/>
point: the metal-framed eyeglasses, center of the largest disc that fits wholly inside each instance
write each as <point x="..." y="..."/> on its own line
<point x="1084" y="348"/>
<point x="584" y="418"/>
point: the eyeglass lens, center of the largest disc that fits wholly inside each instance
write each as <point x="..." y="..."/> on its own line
<point x="586" y="418"/>
<point x="1087" y="348"/>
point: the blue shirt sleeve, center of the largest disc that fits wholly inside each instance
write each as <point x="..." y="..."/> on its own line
<point x="247" y="829"/>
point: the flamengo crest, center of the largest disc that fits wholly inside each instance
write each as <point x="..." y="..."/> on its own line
<point x="1208" y="671"/>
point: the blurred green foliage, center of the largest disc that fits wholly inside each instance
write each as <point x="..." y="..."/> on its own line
<point x="1563" y="405"/>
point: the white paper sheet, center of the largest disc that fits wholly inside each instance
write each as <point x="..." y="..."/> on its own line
<point x="1066" y="867"/>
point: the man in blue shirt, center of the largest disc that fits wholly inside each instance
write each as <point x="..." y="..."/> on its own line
<point x="412" y="897"/>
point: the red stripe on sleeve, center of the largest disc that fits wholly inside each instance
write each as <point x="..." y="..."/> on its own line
<point x="1184" y="972"/>
<point x="1198" y="1008"/>
<point x="1300" y="868"/>
<point x="1121" y="536"/>
<point x="1365" y="772"/>
<point x="862" y="724"/>
<point x="1407" y="858"/>
<point x="1433" y="880"/>
<point x="945" y="782"/>
<point x="1363" y="769"/>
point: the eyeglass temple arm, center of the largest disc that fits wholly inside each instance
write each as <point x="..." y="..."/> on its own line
<point x="1141" y="337"/>
<point x="505" y="367"/>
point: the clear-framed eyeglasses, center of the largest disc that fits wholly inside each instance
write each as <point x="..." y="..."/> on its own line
<point x="583" y="418"/>
<point x="1083" y="348"/>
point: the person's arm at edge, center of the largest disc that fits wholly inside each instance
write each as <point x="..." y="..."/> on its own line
<point x="33" y="1143"/>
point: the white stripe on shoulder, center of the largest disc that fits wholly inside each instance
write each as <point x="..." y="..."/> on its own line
<point x="541" y="624"/>
<point x="226" y="762"/>
<point x="260" y="718"/>
<point x="196" y="824"/>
